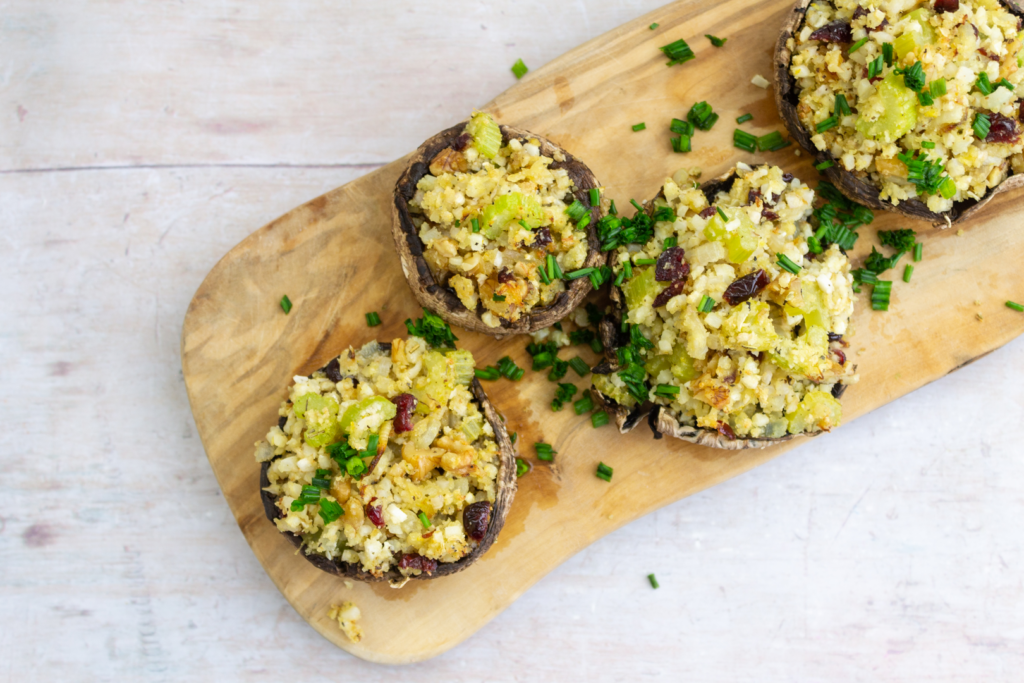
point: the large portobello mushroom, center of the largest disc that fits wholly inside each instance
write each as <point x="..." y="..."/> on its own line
<point x="726" y="331"/>
<point x="368" y="485"/>
<point x="927" y="112"/>
<point x="478" y="216"/>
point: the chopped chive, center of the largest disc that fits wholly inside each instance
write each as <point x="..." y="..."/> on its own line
<point x="512" y="437"/>
<point x="612" y="210"/>
<point x="604" y="472"/>
<point x="596" y="346"/>
<point x="544" y="451"/>
<point x="907" y="272"/>
<point x="637" y="127"/>
<point x="928" y="144"/>
<point x="522" y="467"/>
<point x="476" y="225"/>
<point x="722" y="214"/>
<point x="554" y="271"/>
<point x="372" y="319"/>
<point x="579" y="366"/>
<point x="423" y="520"/>
<point x="584" y="405"/>
<point x="330" y="511"/>
<point x="880" y="295"/>
<point x="744" y="118"/>
<point x="828" y="163"/>
<point x="858" y="45"/>
<point x="681" y="143"/>
<point x="670" y="242"/>
<point x="582" y="272"/>
<point x="787" y="264"/>
<point x="666" y="390"/>
<point x="771" y="142"/>
<point x="681" y="127"/>
<point x="984" y="85"/>
<point x="706" y="304"/>
<point x="627" y="268"/>
<point x="487" y="373"/>
<point x="576" y="211"/>
<point x="1015" y="306"/>
<point x="595" y="196"/>
<point x="654" y="581"/>
<point x="524" y="224"/>
<point x="918" y="251"/>
<point x="842" y="106"/>
<point x="830" y="122"/>
<point x="981" y="125"/>
<point x="498" y="297"/>
<point x="702" y="116"/>
<point x="645" y="261"/>
<point x="887" y="53"/>
<point x="286" y="304"/>
<point x="519" y="69"/>
<point x="744" y="140"/>
<point x="875" y="67"/>
<point x="636" y="205"/>
<point x="925" y="98"/>
<point x="619" y="278"/>
<point x="654" y="26"/>
<point x="599" y="419"/>
<point x="717" y="42"/>
<point x="678" y="52"/>
<point x="938" y="87"/>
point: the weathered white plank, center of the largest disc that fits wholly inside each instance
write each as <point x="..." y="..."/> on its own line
<point x="888" y="551"/>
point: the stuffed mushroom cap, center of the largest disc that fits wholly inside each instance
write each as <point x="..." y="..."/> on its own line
<point x="906" y="136"/>
<point x="483" y="214"/>
<point x="388" y="432"/>
<point x="711" y="337"/>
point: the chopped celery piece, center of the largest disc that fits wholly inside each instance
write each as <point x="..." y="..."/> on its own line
<point x="369" y="413"/>
<point x="818" y="410"/>
<point x="473" y="428"/>
<point x="463" y="365"/>
<point x="740" y="242"/>
<point x="679" y="362"/>
<point x="890" y="113"/>
<point x="485" y="133"/>
<point x="813" y="308"/>
<point x="911" y="41"/>
<point x="639" y="287"/>
<point x="509" y="209"/>
<point x="320" y="413"/>
<point x="614" y="388"/>
<point x="806" y="356"/>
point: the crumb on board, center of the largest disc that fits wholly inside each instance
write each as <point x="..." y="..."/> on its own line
<point x="347" y="614"/>
<point x="760" y="81"/>
<point x="960" y="232"/>
<point x="349" y="584"/>
<point x="979" y="316"/>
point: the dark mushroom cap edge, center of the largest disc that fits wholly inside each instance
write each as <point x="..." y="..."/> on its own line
<point x="661" y="421"/>
<point x="442" y="300"/>
<point x="506" y="491"/>
<point x="859" y="189"/>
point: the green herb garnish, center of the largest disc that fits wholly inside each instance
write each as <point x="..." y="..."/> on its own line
<point x="286" y="304"/>
<point x="372" y="319"/>
<point x="545" y="452"/>
<point x="519" y="69"/>
<point x="432" y="329"/>
<point x="678" y="52"/>
<point x="604" y="472"/>
<point x="637" y="127"/>
<point x="717" y="42"/>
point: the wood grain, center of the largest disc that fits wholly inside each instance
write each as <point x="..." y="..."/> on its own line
<point x="333" y="257"/>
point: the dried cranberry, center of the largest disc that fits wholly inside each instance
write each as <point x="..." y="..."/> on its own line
<point x="838" y="390"/>
<point x="746" y="287"/>
<point x="282" y="421"/>
<point x="461" y="142"/>
<point x="710" y="211"/>
<point x="333" y="371"/>
<point x="541" y="238"/>
<point x="840" y="355"/>
<point x="859" y="12"/>
<point x="836" y="32"/>
<point x="1020" y="111"/>
<point x="475" y="518"/>
<point x="405" y="403"/>
<point x="414" y="561"/>
<point x="834" y="337"/>
<point x="725" y="430"/>
<point x="375" y="513"/>
<point x="885" y="22"/>
<point x="505" y="275"/>
<point x="1002" y="129"/>
<point x="770" y="215"/>
<point x="946" y="6"/>
<point x="774" y="201"/>
<point x="671" y="266"/>
<point x="982" y="51"/>
<point x="787" y="177"/>
<point x="674" y="289"/>
<point x="753" y="196"/>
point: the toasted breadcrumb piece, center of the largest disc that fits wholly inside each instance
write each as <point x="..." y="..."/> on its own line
<point x="347" y="614"/>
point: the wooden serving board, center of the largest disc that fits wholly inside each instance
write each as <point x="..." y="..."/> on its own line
<point x="335" y="259"/>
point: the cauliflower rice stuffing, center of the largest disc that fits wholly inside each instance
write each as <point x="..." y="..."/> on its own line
<point x="383" y="459"/>
<point x="488" y="216"/>
<point x="760" y="359"/>
<point x="915" y="91"/>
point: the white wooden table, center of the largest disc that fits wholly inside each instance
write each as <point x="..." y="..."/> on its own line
<point x="140" y="141"/>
